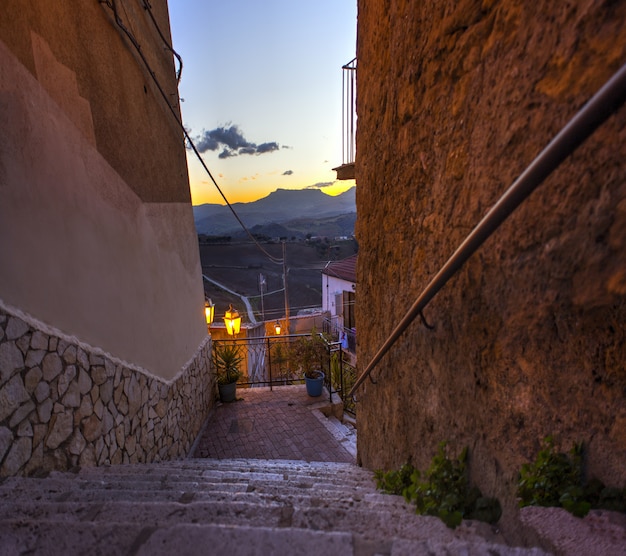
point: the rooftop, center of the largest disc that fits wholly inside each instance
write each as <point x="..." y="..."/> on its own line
<point x="344" y="269"/>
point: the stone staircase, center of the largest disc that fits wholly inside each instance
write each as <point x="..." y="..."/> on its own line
<point x="233" y="507"/>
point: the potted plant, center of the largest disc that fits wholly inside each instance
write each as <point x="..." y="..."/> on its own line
<point x="309" y="355"/>
<point x="226" y="360"/>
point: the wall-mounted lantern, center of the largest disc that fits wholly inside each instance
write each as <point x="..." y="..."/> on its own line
<point x="209" y="310"/>
<point x="232" y="320"/>
<point x="277" y="328"/>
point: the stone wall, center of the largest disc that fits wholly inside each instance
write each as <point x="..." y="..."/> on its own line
<point x="454" y="100"/>
<point x="65" y="404"/>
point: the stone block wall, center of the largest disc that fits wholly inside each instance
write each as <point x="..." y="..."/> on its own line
<point x="64" y="404"/>
<point x="455" y="99"/>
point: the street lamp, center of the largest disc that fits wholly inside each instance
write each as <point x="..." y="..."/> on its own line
<point x="209" y="310"/>
<point x="232" y="320"/>
<point x="277" y="328"/>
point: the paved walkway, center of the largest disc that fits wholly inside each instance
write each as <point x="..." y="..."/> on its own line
<point x="277" y="424"/>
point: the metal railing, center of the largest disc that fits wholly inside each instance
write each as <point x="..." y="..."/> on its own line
<point x="348" y="120"/>
<point x="602" y="105"/>
<point x="267" y="361"/>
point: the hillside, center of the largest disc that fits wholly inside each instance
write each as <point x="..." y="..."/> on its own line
<point x="299" y="211"/>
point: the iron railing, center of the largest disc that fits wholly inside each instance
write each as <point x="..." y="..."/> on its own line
<point x="602" y="105"/>
<point x="348" y="121"/>
<point x="267" y="362"/>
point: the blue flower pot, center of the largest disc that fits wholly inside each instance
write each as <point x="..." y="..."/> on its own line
<point x="314" y="386"/>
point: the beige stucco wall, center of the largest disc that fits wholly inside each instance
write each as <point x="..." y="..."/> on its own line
<point x="95" y="75"/>
<point x="96" y="228"/>
<point x="454" y="100"/>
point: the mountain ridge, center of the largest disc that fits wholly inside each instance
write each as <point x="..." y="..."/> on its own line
<point x="279" y="207"/>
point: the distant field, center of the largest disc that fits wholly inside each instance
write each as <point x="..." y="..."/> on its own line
<point x="238" y="266"/>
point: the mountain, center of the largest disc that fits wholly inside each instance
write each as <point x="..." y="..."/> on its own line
<point x="279" y="207"/>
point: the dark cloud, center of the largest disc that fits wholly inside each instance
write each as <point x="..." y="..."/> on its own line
<point x="287" y="172"/>
<point x="267" y="147"/>
<point x="232" y="142"/>
<point x="227" y="154"/>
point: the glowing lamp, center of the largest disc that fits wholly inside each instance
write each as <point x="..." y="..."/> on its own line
<point x="232" y="320"/>
<point x="209" y="311"/>
<point x="277" y="328"/>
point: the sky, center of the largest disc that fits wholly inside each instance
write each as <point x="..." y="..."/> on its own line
<point x="261" y="93"/>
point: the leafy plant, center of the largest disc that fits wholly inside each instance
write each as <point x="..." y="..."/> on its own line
<point x="226" y="359"/>
<point x="444" y="492"/>
<point x="554" y="479"/>
<point x="557" y="479"/>
<point x="394" y="482"/>
<point x="309" y="354"/>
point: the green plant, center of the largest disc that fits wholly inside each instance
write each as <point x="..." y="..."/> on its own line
<point x="554" y="479"/>
<point x="394" y="482"/>
<point x="226" y="359"/>
<point x="557" y="479"/>
<point x="309" y="354"/>
<point x="444" y="492"/>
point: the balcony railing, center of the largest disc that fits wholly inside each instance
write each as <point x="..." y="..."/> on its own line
<point x="348" y="122"/>
<point x="267" y="361"/>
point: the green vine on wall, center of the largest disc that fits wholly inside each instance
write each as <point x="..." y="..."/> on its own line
<point x="444" y="490"/>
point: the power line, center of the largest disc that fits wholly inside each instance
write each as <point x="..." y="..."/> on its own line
<point x="112" y="5"/>
<point x="179" y="72"/>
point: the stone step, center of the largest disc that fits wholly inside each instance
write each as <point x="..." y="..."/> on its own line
<point x="54" y="538"/>
<point x="348" y="472"/>
<point x="77" y="491"/>
<point x="271" y="506"/>
<point x="341" y="477"/>
<point x="372" y="523"/>
<point x="137" y="487"/>
<point x="50" y="539"/>
<point x="121" y="536"/>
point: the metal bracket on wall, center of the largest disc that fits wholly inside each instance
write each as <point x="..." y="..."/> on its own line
<point x="425" y="322"/>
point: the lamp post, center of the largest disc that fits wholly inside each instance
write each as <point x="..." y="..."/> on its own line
<point x="209" y="311"/>
<point x="232" y="320"/>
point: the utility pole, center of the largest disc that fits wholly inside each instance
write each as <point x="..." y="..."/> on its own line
<point x="285" y="284"/>
<point x="262" y="286"/>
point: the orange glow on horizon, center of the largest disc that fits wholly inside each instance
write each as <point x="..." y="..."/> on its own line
<point x="206" y="193"/>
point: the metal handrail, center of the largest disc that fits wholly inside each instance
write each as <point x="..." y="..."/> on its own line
<point x="602" y="105"/>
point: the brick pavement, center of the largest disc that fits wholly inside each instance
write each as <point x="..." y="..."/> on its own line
<point x="264" y="424"/>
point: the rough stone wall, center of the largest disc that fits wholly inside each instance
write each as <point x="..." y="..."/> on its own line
<point x="64" y="404"/>
<point x="454" y="100"/>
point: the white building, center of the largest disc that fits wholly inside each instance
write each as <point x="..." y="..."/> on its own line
<point x="338" y="299"/>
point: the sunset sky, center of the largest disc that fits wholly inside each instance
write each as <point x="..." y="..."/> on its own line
<point x="261" y="85"/>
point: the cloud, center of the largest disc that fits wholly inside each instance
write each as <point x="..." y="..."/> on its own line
<point x="267" y="147"/>
<point x="225" y="153"/>
<point x="320" y="185"/>
<point x="287" y="172"/>
<point x="232" y="143"/>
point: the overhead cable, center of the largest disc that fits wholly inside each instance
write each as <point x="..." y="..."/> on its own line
<point x="111" y="4"/>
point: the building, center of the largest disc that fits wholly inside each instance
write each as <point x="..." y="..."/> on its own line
<point x="454" y="101"/>
<point x="338" y="299"/>
<point x="103" y="344"/>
